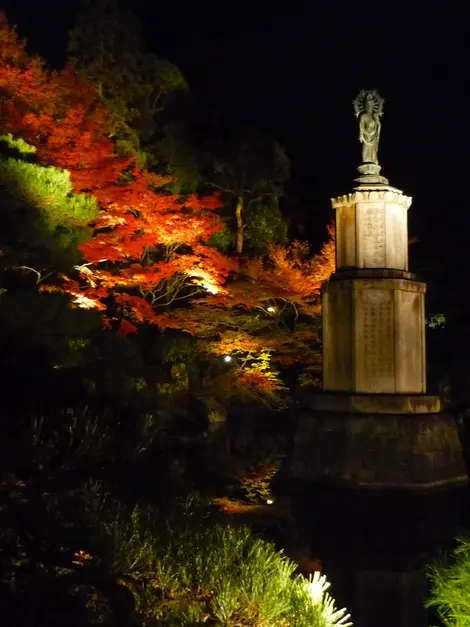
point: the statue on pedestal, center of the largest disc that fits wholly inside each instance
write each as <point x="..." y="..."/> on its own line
<point x="368" y="106"/>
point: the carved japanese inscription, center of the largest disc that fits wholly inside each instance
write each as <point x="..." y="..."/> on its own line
<point x="372" y="236"/>
<point x="377" y="365"/>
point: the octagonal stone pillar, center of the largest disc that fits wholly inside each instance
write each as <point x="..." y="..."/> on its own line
<point x="371" y="228"/>
<point x="373" y="336"/>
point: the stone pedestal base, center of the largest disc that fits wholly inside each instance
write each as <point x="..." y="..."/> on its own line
<point x="370" y="173"/>
<point x="377" y="441"/>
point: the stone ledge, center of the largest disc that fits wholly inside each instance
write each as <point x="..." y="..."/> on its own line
<point x="372" y="273"/>
<point x="357" y="283"/>
<point x="412" y="404"/>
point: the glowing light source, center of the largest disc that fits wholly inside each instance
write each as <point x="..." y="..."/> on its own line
<point x="271" y="309"/>
<point x="227" y="358"/>
<point x="269" y="501"/>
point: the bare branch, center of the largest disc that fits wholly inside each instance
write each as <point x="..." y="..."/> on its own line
<point x="37" y="273"/>
<point x="222" y="189"/>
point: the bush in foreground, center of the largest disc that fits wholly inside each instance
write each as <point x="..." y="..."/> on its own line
<point x="450" y="590"/>
<point x="97" y="561"/>
<point x="95" y="529"/>
<point x="185" y="572"/>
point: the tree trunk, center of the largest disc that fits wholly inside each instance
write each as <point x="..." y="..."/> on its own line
<point x="240" y="226"/>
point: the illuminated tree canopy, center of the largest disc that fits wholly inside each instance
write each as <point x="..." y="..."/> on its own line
<point x="150" y="259"/>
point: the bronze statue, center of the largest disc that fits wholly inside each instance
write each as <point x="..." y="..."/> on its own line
<point x="368" y="106"/>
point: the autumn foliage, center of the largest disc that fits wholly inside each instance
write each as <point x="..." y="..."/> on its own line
<point x="266" y="319"/>
<point x="149" y="259"/>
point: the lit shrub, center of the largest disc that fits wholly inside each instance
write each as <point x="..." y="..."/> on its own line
<point x="188" y="571"/>
<point x="49" y="190"/>
<point x="450" y="586"/>
<point x="18" y="144"/>
<point x="70" y="546"/>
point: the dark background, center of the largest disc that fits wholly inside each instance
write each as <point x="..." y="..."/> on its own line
<point x="293" y="67"/>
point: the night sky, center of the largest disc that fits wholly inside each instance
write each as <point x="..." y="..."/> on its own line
<point x="293" y="67"/>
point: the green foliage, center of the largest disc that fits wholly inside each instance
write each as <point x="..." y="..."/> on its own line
<point x="106" y="46"/>
<point x="249" y="169"/>
<point x="177" y="347"/>
<point x="264" y="224"/>
<point x="256" y="482"/>
<point x="50" y="190"/>
<point x="17" y="144"/>
<point x="70" y="548"/>
<point x="310" y="378"/>
<point x="450" y="586"/>
<point x="192" y="571"/>
<point x="58" y="218"/>
<point x="181" y="159"/>
<point x="247" y="164"/>
<point x="223" y="240"/>
<point x="436" y="320"/>
<point x="189" y="571"/>
<point x="201" y="150"/>
<point x="45" y="519"/>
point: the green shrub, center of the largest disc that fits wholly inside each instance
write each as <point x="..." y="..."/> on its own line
<point x="17" y="144"/>
<point x="450" y="589"/>
<point x="49" y="190"/>
<point x="183" y="569"/>
<point x="77" y="540"/>
<point x="264" y="224"/>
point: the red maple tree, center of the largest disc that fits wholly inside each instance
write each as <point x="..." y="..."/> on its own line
<point x="266" y="318"/>
<point x="148" y="247"/>
<point x="149" y="251"/>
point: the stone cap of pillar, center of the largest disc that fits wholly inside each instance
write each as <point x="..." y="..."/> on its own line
<point x="372" y="193"/>
<point x="371" y="228"/>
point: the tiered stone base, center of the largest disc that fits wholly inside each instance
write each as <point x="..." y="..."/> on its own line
<point x="377" y="441"/>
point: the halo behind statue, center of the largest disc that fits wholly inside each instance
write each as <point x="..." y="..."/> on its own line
<point x="367" y="94"/>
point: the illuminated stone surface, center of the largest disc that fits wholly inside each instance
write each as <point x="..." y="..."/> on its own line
<point x="371" y="228"/>
<point x="373" y="309"/>
<point x="373" y="448"/>
<point x="374" y="425"/>
<point x="373" y="336"/>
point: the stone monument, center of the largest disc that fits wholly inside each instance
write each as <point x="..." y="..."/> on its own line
<point x="374" y="425"/>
